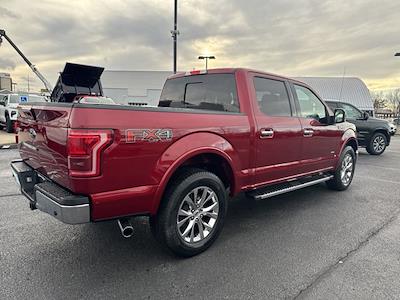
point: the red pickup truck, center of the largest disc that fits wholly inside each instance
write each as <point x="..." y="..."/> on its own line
<point x="213" y="135"/>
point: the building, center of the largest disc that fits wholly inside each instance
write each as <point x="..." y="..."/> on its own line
<point x="5" y="82"/>
<point x="144" y="88"/>
<point x="346" y="89"/>
<point x="134" y="87"/>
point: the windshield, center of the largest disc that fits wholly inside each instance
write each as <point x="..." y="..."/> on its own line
<point x="209" y="91"/>
<point x="351" y="111"/>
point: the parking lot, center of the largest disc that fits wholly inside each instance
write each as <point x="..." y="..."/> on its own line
<point x="6" y="139"/>
<point x="312" y="243"/>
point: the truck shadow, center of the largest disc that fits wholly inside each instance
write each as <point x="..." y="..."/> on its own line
<point x="96" y="255"/>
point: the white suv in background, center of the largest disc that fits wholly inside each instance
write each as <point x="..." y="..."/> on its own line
<point x="8" y="108"/>
<point x="393" y="123"/>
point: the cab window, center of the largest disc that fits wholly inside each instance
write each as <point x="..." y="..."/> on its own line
<point x="272" y="97"/>
<point x="310" y="105"/>
<point x="208" y="91"/>
<point x="351" y="111"/>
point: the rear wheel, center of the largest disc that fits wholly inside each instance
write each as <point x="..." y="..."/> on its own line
<point x="344" y="173"/>
<point x="9" y="124"/>
<point x="377" y="144"/>
<point x="192" y="213"/>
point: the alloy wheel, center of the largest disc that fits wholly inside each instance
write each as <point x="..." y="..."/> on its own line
<point x="197" y="214"/>
<point x="346" y="171"/>
<point x="379" y="144"/>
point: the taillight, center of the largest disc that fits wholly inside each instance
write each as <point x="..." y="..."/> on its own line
<point x="84" y="151"/>
<point x="195" y="72"/>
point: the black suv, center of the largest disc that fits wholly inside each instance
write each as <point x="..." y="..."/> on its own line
<point x="372" y="133"/>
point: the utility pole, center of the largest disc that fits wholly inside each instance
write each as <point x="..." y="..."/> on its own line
<point x="175" y="33"/>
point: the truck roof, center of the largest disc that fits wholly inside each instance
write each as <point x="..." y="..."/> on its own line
<point x="230" y="70"/>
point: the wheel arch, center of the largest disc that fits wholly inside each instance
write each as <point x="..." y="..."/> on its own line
<point x="384" y="132"/>
<point x="352" y="142"/>
<point x="206" y="151"/>
<point x="349" y="138"/>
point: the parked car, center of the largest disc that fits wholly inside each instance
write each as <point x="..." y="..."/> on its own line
<point x="393" y="128"/>
<point x="393" y="123"/>
<point x="396" y="121"/>
<point x="215" y="134"/>
<point x="8" y="108"/>
<point x="372" y="133"/>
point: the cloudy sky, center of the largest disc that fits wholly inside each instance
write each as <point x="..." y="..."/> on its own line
<point x="293" y="38"/>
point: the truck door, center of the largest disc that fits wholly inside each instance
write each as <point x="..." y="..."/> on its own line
<point x="353" y="115"/>
<point x="320" y="141"/>
<point x="279" y="133"/>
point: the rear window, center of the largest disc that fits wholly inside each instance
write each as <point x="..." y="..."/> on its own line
<point x="211" y="92"/>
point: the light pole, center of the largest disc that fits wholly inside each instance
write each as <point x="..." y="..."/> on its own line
<point x="175" y="33"/>
<point x="207" y="58"/>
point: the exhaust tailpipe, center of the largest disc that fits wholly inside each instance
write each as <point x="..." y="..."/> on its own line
<point x="126" y="227"/>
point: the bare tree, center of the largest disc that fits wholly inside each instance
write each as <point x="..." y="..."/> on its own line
<point x="379" y="100"/>
<point x="393" y="98"/>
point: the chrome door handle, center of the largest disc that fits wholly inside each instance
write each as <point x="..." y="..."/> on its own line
<point x="308" y="132"/>
<point x="266" y="133"/>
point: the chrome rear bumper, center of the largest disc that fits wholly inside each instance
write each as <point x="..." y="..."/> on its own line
<point x="49" y="197"/>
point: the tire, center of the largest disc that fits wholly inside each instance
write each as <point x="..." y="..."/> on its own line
<point x="344" y="172"/>
<point x="377" y="144"/>
<point x="9" y="125"/>
<point x="191" y="236"/>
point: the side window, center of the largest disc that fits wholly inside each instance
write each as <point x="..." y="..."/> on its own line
<point x="332" y="105"/>
<point x="272" y="97"/>
<point x="351" y="111"/>
<point x="310" y="105"/>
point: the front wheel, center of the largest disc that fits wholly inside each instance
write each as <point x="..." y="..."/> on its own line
<point x="344" y="172"/>
<point x="192" y="213"/>
<point x="377" y="145"/>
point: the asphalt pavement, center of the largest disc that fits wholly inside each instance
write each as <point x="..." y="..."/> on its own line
<point x="6" y="139"/>
<point x="309" y="244"/>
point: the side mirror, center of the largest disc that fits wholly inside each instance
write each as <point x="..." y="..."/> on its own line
<point x="2" y="103"/>
<point x="365" y="115"/>
<point x="340" y="115"/>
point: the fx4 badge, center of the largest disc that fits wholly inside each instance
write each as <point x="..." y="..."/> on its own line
<point x="148" y="135"/>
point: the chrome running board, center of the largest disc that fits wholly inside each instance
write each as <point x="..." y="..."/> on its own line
<point x="287" y="187"/>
